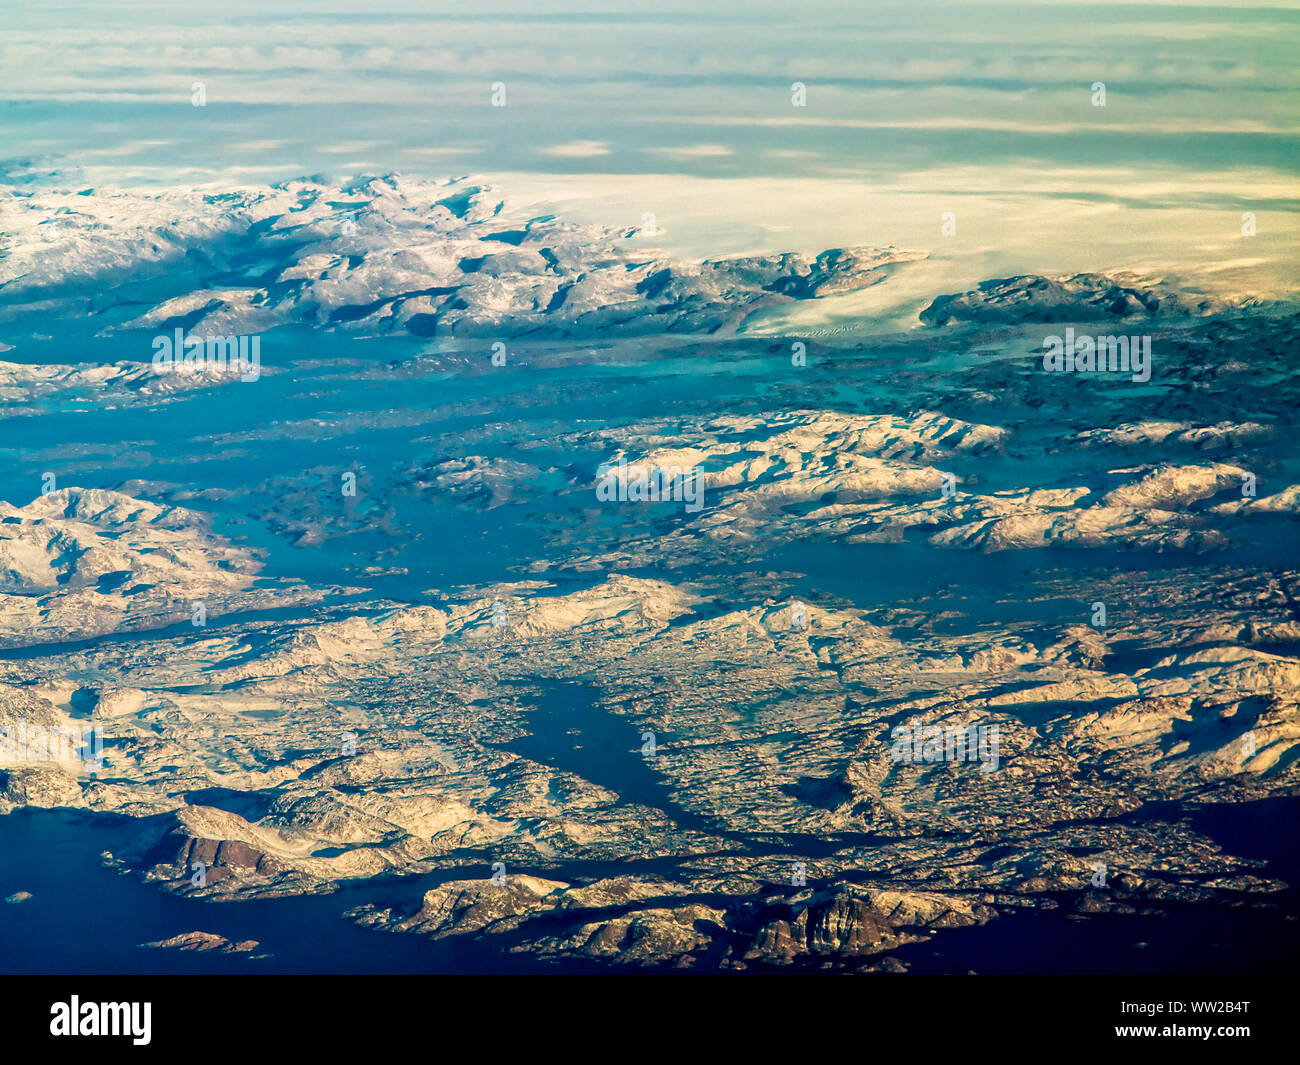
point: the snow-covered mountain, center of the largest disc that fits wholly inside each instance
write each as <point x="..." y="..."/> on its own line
<point x="381" y="255"/>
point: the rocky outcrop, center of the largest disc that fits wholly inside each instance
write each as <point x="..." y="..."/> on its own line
<point x="41" y="786"/>
<point x="203" y="943"/>
<point x="79" y="562"/>
<point x="830" y="923"/>
<point x="1078" y="298"/>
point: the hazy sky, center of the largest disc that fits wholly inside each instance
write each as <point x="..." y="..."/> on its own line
<point x="982" y="109"/>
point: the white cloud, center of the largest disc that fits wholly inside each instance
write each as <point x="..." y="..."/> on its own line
<point x="694" y="151"/>
<point x="578" y="149"/>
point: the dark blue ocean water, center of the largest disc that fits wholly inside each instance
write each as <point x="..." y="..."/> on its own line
<point x="85" y="918"/>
